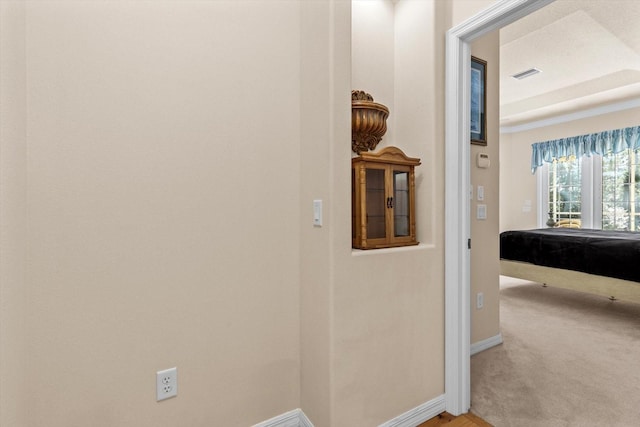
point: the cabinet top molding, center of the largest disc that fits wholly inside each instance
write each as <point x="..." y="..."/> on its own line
<point x="392" y="155"/>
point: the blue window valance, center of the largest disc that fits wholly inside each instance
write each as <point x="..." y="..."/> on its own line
<point x="600" y="143"/>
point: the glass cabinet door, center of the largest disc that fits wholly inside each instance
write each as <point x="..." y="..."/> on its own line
<point x="376" y="215"/>
<point x="401" y="214"/>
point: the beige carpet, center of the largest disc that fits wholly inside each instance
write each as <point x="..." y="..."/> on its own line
<point x="568" y="359"/>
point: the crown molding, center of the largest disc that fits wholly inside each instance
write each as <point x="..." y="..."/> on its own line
<point x="564" y="118"/>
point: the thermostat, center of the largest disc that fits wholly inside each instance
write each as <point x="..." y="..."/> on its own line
<point x="482" y="160"/>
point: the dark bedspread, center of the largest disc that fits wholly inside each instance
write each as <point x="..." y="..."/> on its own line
<point x="602" y="252"/>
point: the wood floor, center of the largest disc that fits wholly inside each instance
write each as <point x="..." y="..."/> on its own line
<point x="465" y="420"/>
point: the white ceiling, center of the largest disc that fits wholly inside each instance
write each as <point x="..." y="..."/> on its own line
<point x="588" y="52"/>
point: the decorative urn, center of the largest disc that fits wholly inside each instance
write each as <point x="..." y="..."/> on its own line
<point x="368" y="121"/>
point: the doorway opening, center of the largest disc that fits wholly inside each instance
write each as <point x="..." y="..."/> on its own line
<point x="457" y="223"/>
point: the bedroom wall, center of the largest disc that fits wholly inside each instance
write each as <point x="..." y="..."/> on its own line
<point x="518" y="185"/>
<point x="485" y="248"/>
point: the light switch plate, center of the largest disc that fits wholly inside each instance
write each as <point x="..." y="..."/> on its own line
<point x="479" y="300"/>
<point x="317" y="213"/>
<point x="481" y="212"/>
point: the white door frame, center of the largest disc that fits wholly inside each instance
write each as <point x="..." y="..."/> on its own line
<point x="457" y="214"/>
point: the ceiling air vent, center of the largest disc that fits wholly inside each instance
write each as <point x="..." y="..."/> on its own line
<point x="527" y="73"/>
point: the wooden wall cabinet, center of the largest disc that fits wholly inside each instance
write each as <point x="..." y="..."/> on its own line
<point x="383" y="199"/>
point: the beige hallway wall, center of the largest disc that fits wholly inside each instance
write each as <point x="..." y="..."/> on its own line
<point x="167" y="154"/>
<point x="162" y="138"/>
<point x="390" y="303"/>
<point x="13" y="225"/>
<point x="389" y="336"/>
<point x="325" y="145"/>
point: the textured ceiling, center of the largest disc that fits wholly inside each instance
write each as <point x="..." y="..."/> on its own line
<point x="588" y="52"/>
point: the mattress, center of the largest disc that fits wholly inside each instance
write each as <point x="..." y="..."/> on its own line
<point x="601" y="252"/>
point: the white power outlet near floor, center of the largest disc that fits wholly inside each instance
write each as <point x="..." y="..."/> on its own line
<point x="166" y="383"/>
<point x="479" y="300"/>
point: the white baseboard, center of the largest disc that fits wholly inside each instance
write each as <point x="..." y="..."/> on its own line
<point x="485" y="344"/>
<point x="304" y="421"/>
<point x="295" y="418"/>
<point x="419" y="414"/>
<point x="411" y="418"/>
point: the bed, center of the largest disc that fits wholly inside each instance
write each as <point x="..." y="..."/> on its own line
<point x="600" y="262"/>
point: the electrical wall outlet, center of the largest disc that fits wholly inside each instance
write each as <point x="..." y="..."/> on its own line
<point x="166" y="384"/>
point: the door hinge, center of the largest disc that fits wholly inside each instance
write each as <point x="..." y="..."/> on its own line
<point x="468" y="243"/>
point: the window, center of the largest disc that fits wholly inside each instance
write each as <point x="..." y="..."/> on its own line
<point x="598" y="191"/>
<point x="621" y="191"/>
<point x="564" y="189"/>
